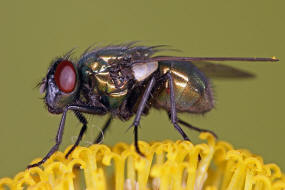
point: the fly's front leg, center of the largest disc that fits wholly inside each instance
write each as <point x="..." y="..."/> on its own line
<point x="173" y="114"/>
<point x="140" y="111"/>
<point x="58" y="139"/>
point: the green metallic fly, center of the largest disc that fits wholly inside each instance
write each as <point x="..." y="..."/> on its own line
<point x="127" y="80"/>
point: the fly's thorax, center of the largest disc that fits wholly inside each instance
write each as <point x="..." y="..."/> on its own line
<point x="60" y="85"/>
<point x="91" y="66"/>
<point x="109" y="77"/>
<point x="111" y="87"/>
<point x="112" y="90"/>
<point x="101" y="65"/>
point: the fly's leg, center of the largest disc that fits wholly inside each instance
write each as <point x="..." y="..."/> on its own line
<point x="188" y="125"/>
<point x="57" y="142"/>
<point x="83" y="120"/>
<point x="58" y="139"/>
<point x="136" y="141"/>
<point x="173" y="114"/>
<point x="140" y="111"/>
<point x="196" y="128"/>
<point x="105" y="127"/>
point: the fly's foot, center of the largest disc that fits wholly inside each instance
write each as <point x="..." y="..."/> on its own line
<point x="35" y="165"/>
<point x="209" y="131"/>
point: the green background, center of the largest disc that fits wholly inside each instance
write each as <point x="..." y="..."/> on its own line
<point x="249" y="113"/>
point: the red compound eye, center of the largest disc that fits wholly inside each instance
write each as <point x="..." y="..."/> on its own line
<point x="65" y="76"/>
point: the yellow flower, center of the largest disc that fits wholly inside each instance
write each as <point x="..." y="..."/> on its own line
<point x="166" y="165"/>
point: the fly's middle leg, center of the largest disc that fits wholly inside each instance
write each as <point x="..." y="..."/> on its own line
<point x="173" y="113"/>
<point x="140" y="111"/>
<point x="83" y="120"/>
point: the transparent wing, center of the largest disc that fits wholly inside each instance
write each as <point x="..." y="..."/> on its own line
<point x="219" y="71"/>
<point x="216" y="70"/>
<point x="250" y="59"/>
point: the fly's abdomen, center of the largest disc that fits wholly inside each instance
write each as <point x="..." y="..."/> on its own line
<point x="191" y="88"/>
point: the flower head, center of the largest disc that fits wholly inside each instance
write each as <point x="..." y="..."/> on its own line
<point x="166" y="165"/>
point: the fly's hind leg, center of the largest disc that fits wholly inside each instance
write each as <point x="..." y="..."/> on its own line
<point x="196" y="128"/>
<point x="141" y="107"/>
<point x="173" y="114"/>
<point x="188" y="125"/>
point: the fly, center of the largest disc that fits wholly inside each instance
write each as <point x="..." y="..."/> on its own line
<point x="127" y="80"/>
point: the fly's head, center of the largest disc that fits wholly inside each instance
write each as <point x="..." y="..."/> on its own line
<point x="60" y="85"/>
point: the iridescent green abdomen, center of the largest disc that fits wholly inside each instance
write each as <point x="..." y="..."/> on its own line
<point x="191" y="88"/>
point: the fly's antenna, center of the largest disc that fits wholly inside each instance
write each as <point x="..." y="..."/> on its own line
<point x="41" y="85"/>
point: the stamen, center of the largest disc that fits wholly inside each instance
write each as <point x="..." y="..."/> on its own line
<point x="166" y="165"/>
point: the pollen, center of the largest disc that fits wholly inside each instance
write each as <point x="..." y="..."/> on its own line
<point x="179" y="165"/>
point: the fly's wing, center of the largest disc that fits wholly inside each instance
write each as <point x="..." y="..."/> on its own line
<point x="215" y="70"/>
<point x="219" y="71"/>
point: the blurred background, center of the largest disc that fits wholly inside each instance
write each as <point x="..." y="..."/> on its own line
<point x="249" y="113"/>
